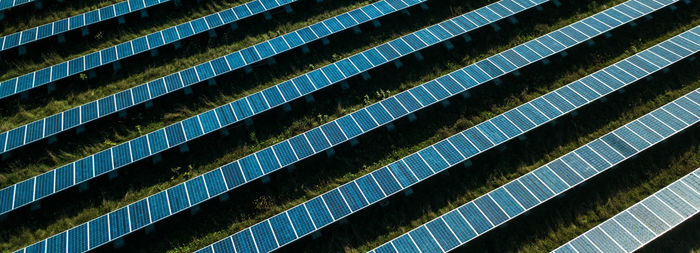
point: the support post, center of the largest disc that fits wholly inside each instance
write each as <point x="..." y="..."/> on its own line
<point x="390" y="127"/>
<point x="118" y="243"/>
<point x="366" y="76"/>
<point x="309" y="98"/>
<point x="398" y="64"/>
<point x="157" y="158"/>
<point x="418" y="56"/>
<point x="35" y="206"/>
<point x="467" y="38"/>
<point x="51" y="87"/>
<point x="411" y="117"/>
<point x="356" y="29"/>
<point x="330" y="152"/>
<point x="445" y="103"/>
<point x="496" y="27"/>
<point x="448" y="45"/>
<point x="408" y="192"/>
<point x="513" y="20"/>
<point x="195" y="209"/>
<point x="80" y="129"/>
<point x="344" y="85"/>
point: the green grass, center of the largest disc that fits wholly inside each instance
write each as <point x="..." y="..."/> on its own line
<point x="103" y="36"/>
<point x="376" y="225"/>
<point x="29" y="17"/>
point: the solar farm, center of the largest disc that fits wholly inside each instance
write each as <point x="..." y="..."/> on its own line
<point x="376" y="126"/>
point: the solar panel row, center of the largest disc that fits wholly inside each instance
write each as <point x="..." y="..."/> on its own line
<point x="644" y="221"/>
<point x="142" y="44"/>
<point x="7" y="4"/>
<point x="212" y="182"/>
<point x="188" y="200"/>
<point x="84" y="169"/>
<point x="112" y="104"/>
<point x="497" y="207"/>
<point x="176" y="134"/>
<point x="266" y="236"/>
<point x="382" y="183"/>
<point x="78" y="21"/>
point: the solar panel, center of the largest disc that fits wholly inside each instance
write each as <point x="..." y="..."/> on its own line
<point x="499" y="206"/>
<point x="7" y="4"/>
<point x="400" y="175"/>
<point x="173" y="135"/>
<point x="372" y="188"/>
<point x="78" y="21"/>
<point x="644" y="221"/>
<point x="127" y="49"/>
<point x="183" y="131"/>
<point x="141" y="94"/>
<point x="273" y="97"/>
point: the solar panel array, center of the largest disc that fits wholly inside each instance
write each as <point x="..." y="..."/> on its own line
<point x="72" y="23"/>
<point x="654" y="216"/>
<point x="127" y="49"/>
<point x="497" y="207"/>
<point x="644" y="221"/>
<point x="186" y="130"/>
<point x="291" y="155"/>
<point x="384" y="182"/>
<point x="112" y="104"/>
<point x="271" y="159"/>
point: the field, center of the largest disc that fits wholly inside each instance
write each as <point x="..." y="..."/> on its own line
<point x="543" y="229"/>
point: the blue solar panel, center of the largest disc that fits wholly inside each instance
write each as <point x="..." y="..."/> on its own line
<point x="121" y="51"/>
<point x="505" y="202"/>
<point x="72" y="23"/>
<point x="644" y="221"/>
<point x="176" y="81"/>
<point x="321" y="211"/>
